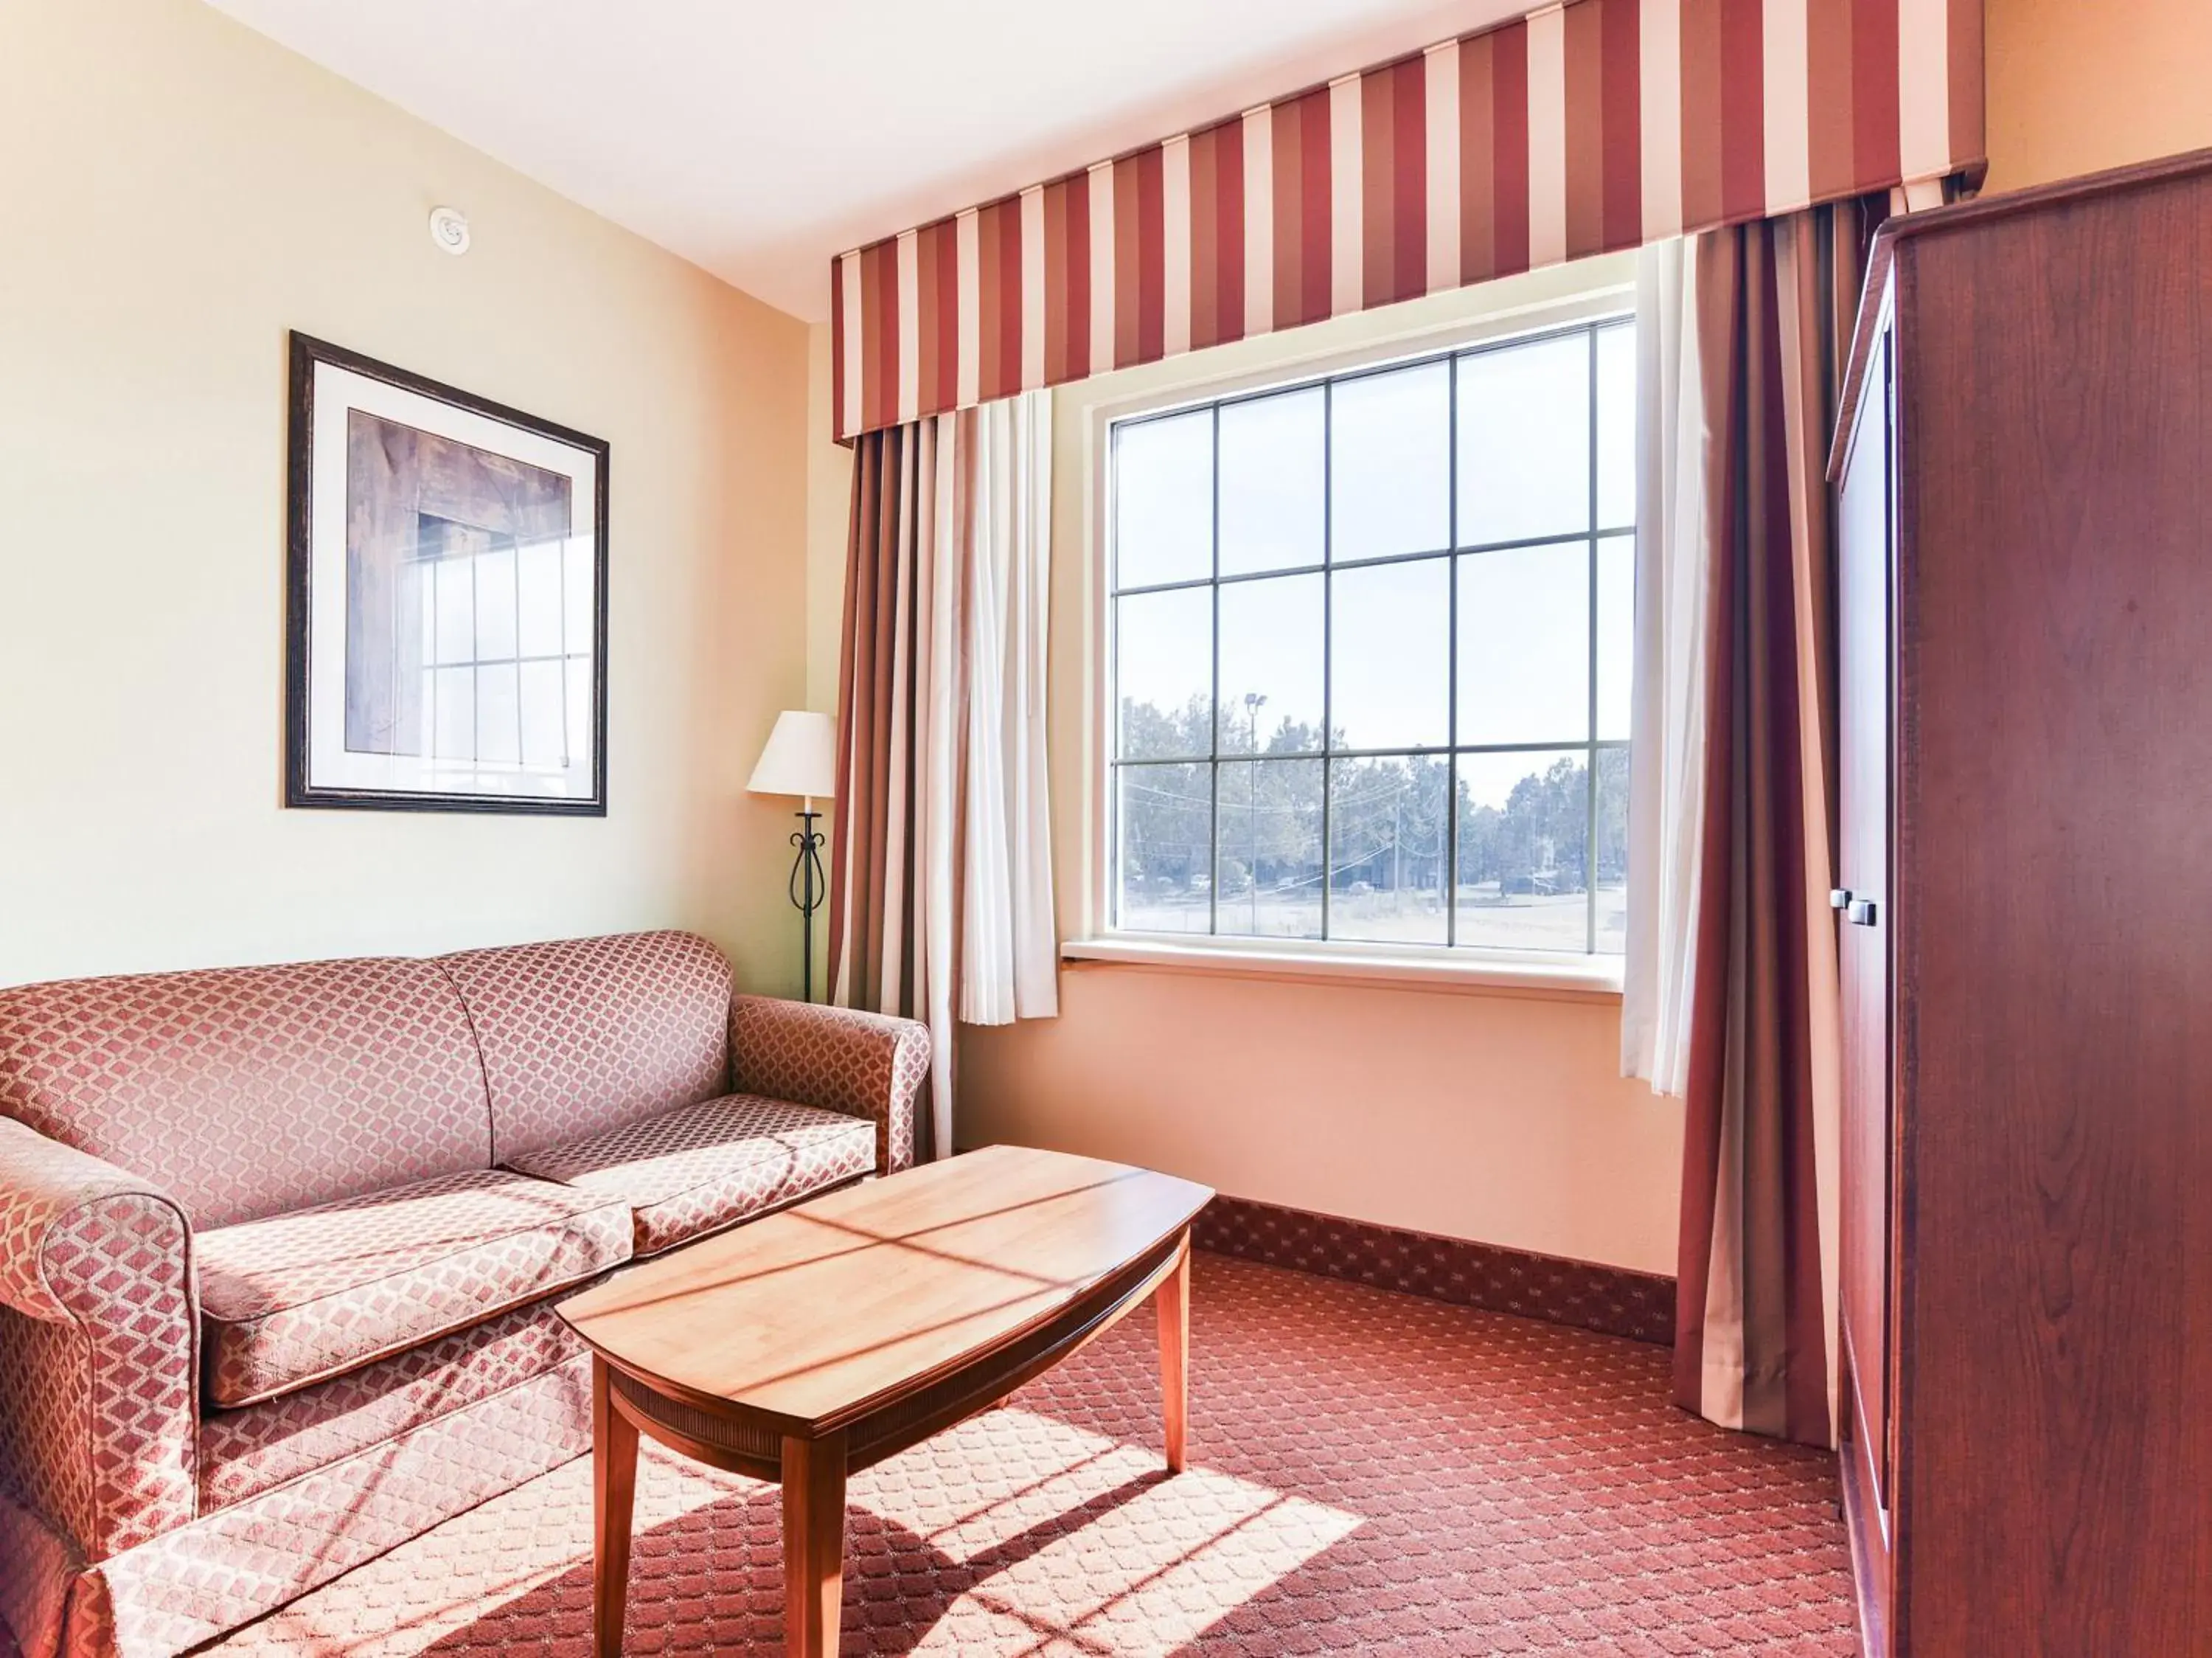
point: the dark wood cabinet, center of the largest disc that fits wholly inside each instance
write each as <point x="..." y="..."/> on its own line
<point x="2024" y="864"/>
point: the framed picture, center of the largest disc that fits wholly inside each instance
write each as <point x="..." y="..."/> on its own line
<point x="447" y="629"/>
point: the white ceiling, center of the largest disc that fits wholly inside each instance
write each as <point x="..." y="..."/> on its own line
<point x="759" y="140"/>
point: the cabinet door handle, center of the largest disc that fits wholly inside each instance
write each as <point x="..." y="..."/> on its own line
<point x="1839" y="898"/>
<point x="1861" y="912"/>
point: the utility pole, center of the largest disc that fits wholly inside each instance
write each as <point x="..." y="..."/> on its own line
<point x="1254" y="702"/>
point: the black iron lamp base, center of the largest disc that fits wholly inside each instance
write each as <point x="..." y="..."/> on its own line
<point x="809" y="887"/>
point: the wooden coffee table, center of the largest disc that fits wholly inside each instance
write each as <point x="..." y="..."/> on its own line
<point x="808" y="1345"/>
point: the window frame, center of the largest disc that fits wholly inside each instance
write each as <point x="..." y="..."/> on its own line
<point x="1438" y="964"/>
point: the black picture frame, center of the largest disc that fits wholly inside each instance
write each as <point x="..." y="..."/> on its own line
<point x="300" y="790"/>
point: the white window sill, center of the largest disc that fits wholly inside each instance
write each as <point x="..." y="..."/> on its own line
<point x="1498" y="972"/>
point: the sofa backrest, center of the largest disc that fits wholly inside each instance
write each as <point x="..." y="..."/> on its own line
<point x="247" y="1091"/>
<point x="586" y="1034"/>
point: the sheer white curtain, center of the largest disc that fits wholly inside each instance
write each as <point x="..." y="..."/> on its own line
<point x="1677" y="502"/>
<point x="1011" y="967"/>
<point x="941" y="903"/>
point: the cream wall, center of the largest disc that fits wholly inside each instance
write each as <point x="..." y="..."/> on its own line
<point x="828" y="512"/>
<point x="177" y="191"/>
<point x="828" y="516"/>
<point x="1488" y="1117"/>
<point x="2078" y="85"/>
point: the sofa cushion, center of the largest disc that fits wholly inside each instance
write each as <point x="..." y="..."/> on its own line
<point x="700" y="1168"/>
<point x="246" y="1453"/>
<point x="250" y="1091"/>
<point x="298" y="1297"/>
<point x="588" y="1034"/>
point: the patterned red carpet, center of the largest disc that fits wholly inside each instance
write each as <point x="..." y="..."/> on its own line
<point x="1370" y="1473"/>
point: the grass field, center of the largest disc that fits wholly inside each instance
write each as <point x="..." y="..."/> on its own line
<point x="1486" y="919"/>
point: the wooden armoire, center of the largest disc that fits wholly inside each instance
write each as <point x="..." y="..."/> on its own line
<point x="2024" y="869"/>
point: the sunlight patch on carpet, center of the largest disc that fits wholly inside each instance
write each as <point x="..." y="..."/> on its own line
<point x="1156" y="1563"/>
<point x="1044" y="1538"/>
<point x="436" y="1587"/>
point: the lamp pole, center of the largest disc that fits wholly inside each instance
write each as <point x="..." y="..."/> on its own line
<point x="807" y="885"/>
<point x="799" y="762"/>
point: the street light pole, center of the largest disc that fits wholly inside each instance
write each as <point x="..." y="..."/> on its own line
<point x="1397" y="842"/>
<point x="1254" y="702"/>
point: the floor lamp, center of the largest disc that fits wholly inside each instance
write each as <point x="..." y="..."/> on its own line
<point x="801" y="759"/>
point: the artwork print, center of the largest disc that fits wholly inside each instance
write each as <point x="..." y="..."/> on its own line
<point x="447" y="629"/>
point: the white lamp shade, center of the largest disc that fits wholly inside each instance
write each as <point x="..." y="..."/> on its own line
<point x="800" y="758"/>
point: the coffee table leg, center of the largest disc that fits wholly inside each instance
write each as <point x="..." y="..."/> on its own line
<point x="614" y="1493"/>
<point x="813" y="1544"/>
<point x="1174" y="1299"/>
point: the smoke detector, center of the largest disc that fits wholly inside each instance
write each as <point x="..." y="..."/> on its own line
<point x="449" y="230"/>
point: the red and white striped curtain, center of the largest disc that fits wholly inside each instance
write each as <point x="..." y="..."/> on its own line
<point x="1730" y="998"/>
<point x="940" y="879"/>
<point x="1581" y="129"/>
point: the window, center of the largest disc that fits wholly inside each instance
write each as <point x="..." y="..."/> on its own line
<point x="1372" y="641"/>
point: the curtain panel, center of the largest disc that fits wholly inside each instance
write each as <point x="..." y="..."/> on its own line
<point x="940" y="880"/>
<point x="1581" y="129"/>
<point x="1731" y="996"/>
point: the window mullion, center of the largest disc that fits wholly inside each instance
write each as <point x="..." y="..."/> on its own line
<point x="1117" y="809"/>
<point x="1328" y="644"/>
<point x="1213" y="705"/>
<point x="1451" y="674"/>
<point x="1589" y="754"/>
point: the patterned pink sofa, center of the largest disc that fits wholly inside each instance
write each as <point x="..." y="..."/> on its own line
<point x="276" y="1244"/>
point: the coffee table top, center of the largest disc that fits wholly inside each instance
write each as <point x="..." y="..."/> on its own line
<point x="865" y="1294"/>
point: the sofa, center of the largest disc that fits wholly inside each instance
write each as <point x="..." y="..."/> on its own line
<point x="279" y="1245"/>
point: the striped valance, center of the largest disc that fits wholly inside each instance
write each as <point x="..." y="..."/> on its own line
<point x="1581" y="129"/>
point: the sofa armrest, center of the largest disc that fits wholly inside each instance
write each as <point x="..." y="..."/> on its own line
<point x="865" y="1064"/>
<point x="99" y="1346"/>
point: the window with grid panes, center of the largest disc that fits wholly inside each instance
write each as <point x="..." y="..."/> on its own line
<point x="1371" y="642"/>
